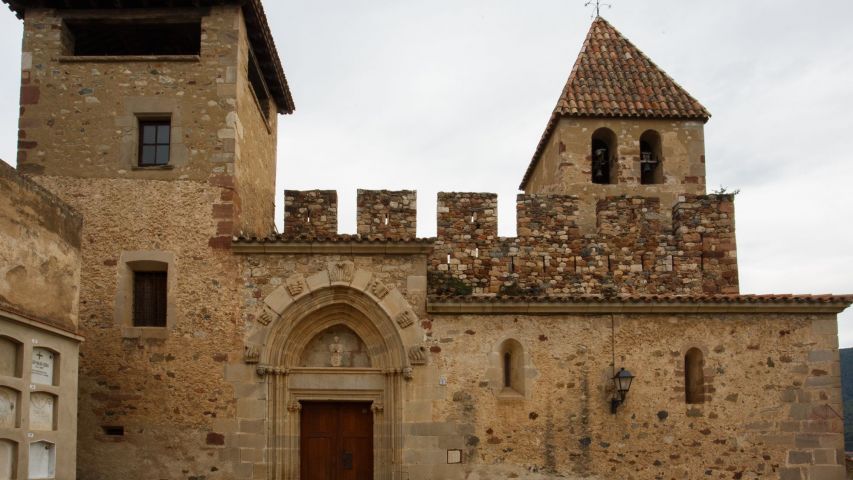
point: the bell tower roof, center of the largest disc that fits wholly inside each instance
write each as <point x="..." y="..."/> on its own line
<point x="612" y="78"/>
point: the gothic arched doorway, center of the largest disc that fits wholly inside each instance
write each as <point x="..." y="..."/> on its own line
<point x="337" y="348"/>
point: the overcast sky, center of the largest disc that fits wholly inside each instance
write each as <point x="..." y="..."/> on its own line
<point x="445" y="95"/>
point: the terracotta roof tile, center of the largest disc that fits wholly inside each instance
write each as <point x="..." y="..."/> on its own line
<point x="640" y="299"/>
<point x="343" y="238"/>
<point x="612" y="78"/>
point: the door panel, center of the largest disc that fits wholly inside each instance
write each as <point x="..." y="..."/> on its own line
<point x="337" y="441"/>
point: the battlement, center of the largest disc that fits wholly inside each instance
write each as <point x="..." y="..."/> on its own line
<point x="634" y="248"/>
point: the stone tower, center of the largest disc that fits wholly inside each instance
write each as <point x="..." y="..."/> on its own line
<point x="622" y="126"/>
<point x="157" y="122"/>
<point x="186" y="93"/>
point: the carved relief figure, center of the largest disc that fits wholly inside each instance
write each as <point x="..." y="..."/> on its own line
<point x="378" y="288"/>
<point x="336" y="353"/>
<point x="295" y="285"/>
<point x="341" y="271"/>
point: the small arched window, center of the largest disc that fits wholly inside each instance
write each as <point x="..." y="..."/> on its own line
<point x="603" y="157"/>
<point x="694" y="376"/>
<point x="651" y="158"/>
<point x="512" y="367"/>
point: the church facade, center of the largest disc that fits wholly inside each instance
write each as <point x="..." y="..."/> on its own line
<point x="609" y="339"/>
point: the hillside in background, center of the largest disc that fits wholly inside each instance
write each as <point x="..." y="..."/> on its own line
<point x="847" y="395"/>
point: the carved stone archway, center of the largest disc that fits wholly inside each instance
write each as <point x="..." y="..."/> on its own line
<point x="301" y="309"/>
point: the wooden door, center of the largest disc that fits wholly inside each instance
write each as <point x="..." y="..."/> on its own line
<point x="336" y="441"/>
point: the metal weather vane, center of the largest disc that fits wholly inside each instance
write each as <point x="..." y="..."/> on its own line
<point x="598" y="4"/>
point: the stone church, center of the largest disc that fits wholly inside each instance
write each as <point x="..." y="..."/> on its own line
<point x="155" y="325"/>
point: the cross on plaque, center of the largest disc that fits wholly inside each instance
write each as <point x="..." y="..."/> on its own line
<point x="39" y="355"/>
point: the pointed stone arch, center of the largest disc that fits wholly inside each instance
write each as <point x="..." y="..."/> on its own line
<point x="292" y="316"/>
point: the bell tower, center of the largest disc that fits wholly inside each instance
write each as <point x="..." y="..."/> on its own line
<point x="622" y="126"/>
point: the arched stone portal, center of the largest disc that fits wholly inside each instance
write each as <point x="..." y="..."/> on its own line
<point x="295" y="315"/>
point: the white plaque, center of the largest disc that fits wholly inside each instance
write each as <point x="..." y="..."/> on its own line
<point x="454" y="456"/>
<point x="42" y="460"/>
<point x="8" y="455"/>
<point x="41" y="411"/>
<point x="8" y="408"/>
<point x="42" y="366"/>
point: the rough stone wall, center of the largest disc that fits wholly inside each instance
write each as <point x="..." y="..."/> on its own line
<point x="255" y="162"/>
<point x="79" y="118"/>
<point x="40" y="240"/>
<point x="771" y="407"/>
<point x="632" y="250"/>
<point x="386" y="214"/>
<point x="634" y="247"/>
<point x="565" y="166"/>
<point x="311" y="213"/>
<point x="166" y="387"/>
<point x="771" y="389"/>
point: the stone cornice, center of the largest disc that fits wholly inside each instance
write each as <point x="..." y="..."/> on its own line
<point x="735" y="304"/>
<point x="6" y="314"/>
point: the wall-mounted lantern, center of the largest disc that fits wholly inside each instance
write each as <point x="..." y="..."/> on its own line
<point x="621" y="384"/>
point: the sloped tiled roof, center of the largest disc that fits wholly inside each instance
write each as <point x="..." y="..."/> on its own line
<point x="612" y="78"/>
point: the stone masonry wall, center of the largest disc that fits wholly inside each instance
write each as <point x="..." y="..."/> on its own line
<point x="40" y="240"/>
<point x="311" y="213"/>
<point x="165" y="386"/>
<point x="386" y="214"/>
<point x="772" y="399"/>
<point x="635" y="248"/>
<point x="255" y="153"/>
<point x="771" y="389"/>
<point x="79" y="117"/>
<point x="565" y="165"/>
<point x="631" y="251"/>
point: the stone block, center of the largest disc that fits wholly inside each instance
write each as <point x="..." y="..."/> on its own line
<point x="827" y="472"/>
<point x="799" y="457"/>
<point x="826" y="456"/>
<point x="251" y="409"/>
<point x="790" y="474"/>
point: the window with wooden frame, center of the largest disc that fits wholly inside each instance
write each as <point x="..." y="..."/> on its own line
<point x="149" y="299"/>
<point x="259" y="86"/>
<point x="155" y="137"/>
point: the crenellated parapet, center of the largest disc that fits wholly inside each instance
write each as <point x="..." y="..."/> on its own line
<point x="387" y="214"/>
<point x="310" y="213"/>
<point x="634" y="248"/>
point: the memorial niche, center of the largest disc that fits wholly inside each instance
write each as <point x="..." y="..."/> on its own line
<point x="42" y="411"/>
<point x="43" y="366"/>
<point x="42" y="460"/>
<point x="8" y="455"/>
<point x="9" y="358"/>
<point x="8" y="408"/>
<point x="335" y="347"/>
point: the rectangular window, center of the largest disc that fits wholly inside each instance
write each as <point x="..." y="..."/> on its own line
<point x="154" y="140"/>
<point x="104" y="37"/>
<point x="149" y="299"/>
